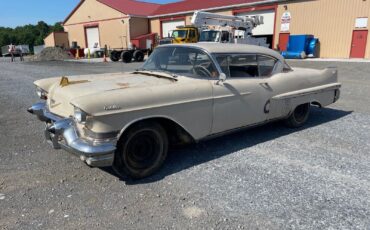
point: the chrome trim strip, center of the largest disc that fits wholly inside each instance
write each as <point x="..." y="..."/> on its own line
<point x="307" y="91"/>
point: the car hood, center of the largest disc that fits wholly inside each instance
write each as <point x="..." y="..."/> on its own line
<point x="66" y="89"/>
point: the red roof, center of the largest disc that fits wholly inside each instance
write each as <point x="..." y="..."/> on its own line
<point x="139" y="8"/>
<point x="191" y="5"/>
<point x="132" y="7"/>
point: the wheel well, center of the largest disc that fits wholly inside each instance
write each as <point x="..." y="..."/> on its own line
<point x="177" y="135"/>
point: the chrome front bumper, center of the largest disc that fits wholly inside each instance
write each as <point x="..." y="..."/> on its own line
<point x="62" y="133"/>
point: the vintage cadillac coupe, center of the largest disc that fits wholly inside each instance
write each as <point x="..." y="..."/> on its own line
<point x="182" y="93"/>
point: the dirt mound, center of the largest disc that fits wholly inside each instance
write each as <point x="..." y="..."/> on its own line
<point x="52" y="54"/>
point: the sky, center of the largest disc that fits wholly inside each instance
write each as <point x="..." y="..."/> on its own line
<point x="21" y="12"/>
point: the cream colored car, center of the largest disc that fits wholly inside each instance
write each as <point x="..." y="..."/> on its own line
<point x="182" y="93"/>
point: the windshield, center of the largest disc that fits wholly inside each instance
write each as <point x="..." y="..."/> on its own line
<point x="179" y="33"/>
<point x="210" y="36"/>
<point x="181" y="61"/>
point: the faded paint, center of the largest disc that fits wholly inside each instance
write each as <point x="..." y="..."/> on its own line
<point x="332" y="21"/>
<point x="215" y="105"/>
<point x="65" y="82"/>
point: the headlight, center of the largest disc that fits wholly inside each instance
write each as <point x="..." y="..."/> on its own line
<point x="42" y="93"/>
<point x="79" y="115"/>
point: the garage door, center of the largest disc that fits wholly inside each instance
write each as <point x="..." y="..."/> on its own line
<point x="268" y="18"/>
<point x="168" y="26"/>
<point x="92" y="35"/>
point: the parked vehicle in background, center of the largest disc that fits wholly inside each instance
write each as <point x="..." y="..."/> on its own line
<point x="218" y="28"/>
<point x="138" y="48"/>
<point x="126" y="55"/>
<point x="24" y="49"/>
<point x="182" y="34"/>
<point x="221" y="28"/>
<point x="182" y="93"/>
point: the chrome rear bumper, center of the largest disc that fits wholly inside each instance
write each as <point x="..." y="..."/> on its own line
<point x="62" y="133"/>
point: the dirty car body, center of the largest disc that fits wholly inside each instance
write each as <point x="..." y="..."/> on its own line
<point x="190" y="92"/>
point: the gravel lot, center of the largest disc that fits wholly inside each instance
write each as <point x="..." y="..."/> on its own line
<point x="270" y="177"/>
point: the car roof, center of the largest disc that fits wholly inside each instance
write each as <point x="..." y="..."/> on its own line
<point x="230" y="48"/>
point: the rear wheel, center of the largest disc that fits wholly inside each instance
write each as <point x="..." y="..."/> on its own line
<point x="141" y="151"/>
<point x="138" y="56"/>
<point x="126" y="56"/>
<point x="299" y="116"/>
<point x="114" y="56"/>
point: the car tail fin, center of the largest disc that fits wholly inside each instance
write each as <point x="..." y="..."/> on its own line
<point x="332" y="71"/>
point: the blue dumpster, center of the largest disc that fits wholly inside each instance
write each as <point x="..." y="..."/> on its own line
<point x="301" y="46"/>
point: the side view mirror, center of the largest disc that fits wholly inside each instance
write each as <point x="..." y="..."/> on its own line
<point x="222" y="77"/>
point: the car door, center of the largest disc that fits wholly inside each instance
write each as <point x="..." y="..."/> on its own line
<point x="244" y="98"/>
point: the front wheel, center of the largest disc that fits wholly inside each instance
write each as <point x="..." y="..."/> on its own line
<point x="299" y="116"/>
<point x="141" y="151"/>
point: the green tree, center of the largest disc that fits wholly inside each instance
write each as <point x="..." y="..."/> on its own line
<point x="31" y="35"/>
<point x="43" y="29"/>
<point x="58" y="27"/>
<point x="4" y="38"/>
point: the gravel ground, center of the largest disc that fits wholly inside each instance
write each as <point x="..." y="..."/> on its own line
<point x="271" y="177"/>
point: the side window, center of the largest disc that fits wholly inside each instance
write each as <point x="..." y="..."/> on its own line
<point x="203" y="66"/>
<point x="248" y="65"/>
<point x="266" y="65"/>
<point x="243" y="65"/>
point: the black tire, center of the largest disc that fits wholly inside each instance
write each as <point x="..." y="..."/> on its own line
<point x="138" y="56"/>
<point x="126" y="56"/>
<point x="141" y="151"/>
<point x="299" y="116"/>
<point x="114" y="56"/>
